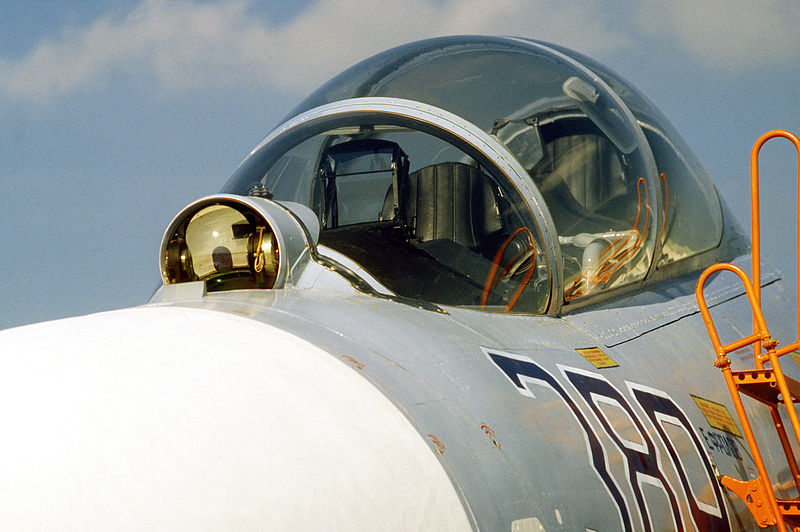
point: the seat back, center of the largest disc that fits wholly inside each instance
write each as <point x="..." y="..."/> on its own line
<point x="451" y="200"/>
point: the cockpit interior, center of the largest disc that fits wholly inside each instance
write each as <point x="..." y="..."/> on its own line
<point x="496" y="174"/>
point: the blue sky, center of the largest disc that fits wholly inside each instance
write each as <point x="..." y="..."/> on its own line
<point x="117" y="114"/>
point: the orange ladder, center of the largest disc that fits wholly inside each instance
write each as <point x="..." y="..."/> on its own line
<point x="766" y="384"/>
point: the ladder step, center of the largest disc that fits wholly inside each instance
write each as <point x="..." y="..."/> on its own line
<point x="789" y="507"/>
<point x="790" y="510"/>
<point x="760" y="384"/>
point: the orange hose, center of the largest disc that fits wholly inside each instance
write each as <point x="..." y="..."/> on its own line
<point x="604" y="269"/>
<point x="494" y="273"/>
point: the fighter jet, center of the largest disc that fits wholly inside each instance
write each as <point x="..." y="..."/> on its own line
<point x="455" y="289"/>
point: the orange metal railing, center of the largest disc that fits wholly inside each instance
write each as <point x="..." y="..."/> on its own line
<point x="755" y="218"/>
<point x="768" y="385"/>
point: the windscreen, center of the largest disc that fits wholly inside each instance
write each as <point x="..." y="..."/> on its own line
<point x="687" y="192"/>
<point x="576" y="139"/>
<point x="615" y="177"/>
<point x="428" y="217"/>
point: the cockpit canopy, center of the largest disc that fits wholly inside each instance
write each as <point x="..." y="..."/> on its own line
<point x="491" y="173"/>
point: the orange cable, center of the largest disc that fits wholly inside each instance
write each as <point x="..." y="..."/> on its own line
<point x="494" y="277"/>
<point x="665" y="186"/>
<point x="618" y="252"/>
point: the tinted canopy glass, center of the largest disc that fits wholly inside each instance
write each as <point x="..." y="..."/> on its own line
<point x="428" y="213"/>
<point x="575" y="138"/>
<point x="568" y="129"/>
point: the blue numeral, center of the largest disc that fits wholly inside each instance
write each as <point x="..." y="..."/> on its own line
<point x="642" y="458"/>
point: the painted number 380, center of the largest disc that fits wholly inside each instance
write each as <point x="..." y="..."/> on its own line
<point x="644" y="465"/>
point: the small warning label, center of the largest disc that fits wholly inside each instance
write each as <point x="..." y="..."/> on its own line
<point x="597" y="358"/>
<point x="717" y="415"/>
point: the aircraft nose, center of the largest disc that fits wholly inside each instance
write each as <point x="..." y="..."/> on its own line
<point x="175" y="418"/>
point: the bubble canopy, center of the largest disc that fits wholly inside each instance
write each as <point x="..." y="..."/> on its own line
<point x="490" y="173"/>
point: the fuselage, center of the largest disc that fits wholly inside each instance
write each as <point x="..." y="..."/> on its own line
<point x="408" y="310"/>
<point x="313" y="408"/>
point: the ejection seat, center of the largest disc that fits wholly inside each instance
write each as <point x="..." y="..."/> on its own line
<point x="600" y="212"/>
<point x="454" y="213"/>
<point x="447" y="204"/>
<point x="428" y="235"/>
<point x="583" y="183"/>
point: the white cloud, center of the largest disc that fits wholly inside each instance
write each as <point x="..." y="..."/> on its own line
<point x="727" y="34"/>
<point x="334" y="34"/>
<point x="182" y="46"/>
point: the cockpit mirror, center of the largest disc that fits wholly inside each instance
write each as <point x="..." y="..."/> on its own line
<point x="603" y="112"/>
